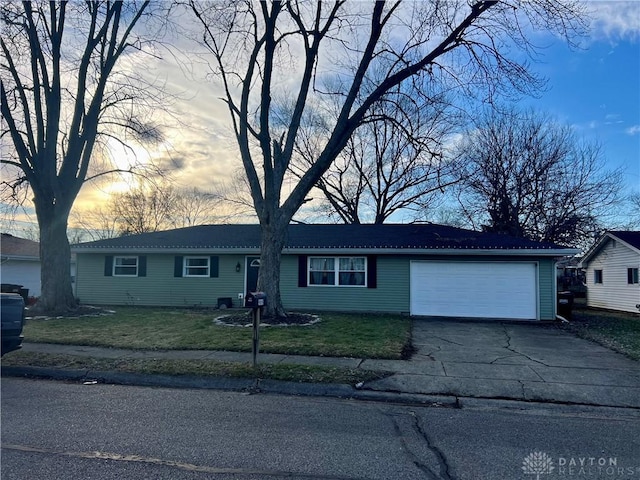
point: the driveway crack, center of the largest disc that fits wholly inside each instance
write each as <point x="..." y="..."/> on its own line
<point x="522" y="387"/>
<point x="448" y="341"/>
<point x="503" y="357"/>
<point x="428" y="354"/>
<point x="512" y="349"/>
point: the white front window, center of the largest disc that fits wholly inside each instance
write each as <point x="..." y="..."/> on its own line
<point x="196" y="267"/>
<point x="125" y="266"/>
<point x="338" y="271"/>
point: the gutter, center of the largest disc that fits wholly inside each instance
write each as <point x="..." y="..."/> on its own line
<point x="561" y="252"/>
<point x="26" y="258"/>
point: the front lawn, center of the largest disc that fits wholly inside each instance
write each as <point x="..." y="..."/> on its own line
<point x="616" y="330"/>
<point x="201" y="368"/>
<point x="337" y="335"/>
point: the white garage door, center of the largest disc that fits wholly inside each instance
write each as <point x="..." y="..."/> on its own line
<point x="474" y="289"/>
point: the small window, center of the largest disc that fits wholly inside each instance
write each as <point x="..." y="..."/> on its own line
<point x="338" y="271"/>
<point x="597" y="276"/>
<point x="125" y="266"/>
<point x="196" y="267"/>
<point x="352" y="271"/>
<point x="632" y="275"/>
<point x="322" y="271"/>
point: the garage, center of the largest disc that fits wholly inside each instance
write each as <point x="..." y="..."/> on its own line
<point x="506" y="290"/>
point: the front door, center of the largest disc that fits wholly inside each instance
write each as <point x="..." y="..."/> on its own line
<point x="252" y="269"/>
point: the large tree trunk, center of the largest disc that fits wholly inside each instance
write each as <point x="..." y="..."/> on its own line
<point x="55" y="262"/>
<point x="272" y="243"/>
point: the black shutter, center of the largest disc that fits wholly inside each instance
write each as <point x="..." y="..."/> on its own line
<point x="177" y="267"/>
<point x="372" y="271"/>
<point x="213" y="267"/>
<point x="302" y="270"/>
<point x="108" y="265"/>
<point x="142" y="266"/>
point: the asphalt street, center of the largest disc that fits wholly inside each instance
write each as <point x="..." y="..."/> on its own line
<point x="59" y="430"/>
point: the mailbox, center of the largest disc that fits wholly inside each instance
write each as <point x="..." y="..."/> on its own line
<point x="255" y="300"/>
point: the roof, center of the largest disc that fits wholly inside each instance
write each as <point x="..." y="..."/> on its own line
<point x="387" y="238"/>
<point x="628" y="237"/>
<point x="16" y="247"/>
<point x="631" y="238"/>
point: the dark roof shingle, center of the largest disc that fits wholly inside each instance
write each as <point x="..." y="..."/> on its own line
<point x="322" y="236"/>
<point x="628" y="236"/>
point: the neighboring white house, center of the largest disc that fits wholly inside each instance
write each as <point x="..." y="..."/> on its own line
<point x="20" y="263"/>
<point x="612" y="266"/>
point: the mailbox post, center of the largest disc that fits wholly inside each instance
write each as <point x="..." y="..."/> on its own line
<point x="255" y="301"/>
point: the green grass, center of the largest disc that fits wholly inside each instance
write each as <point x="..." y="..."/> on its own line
<point x="348" y="335"/>
<point x="202" y="368"/>
<point x="615" y="330"/>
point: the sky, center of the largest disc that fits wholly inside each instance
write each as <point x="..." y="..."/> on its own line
<point x="594" y="87"/>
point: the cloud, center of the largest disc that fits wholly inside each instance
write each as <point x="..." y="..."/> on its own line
<point x="615" y="21"/>
<point x="634" y="130"/>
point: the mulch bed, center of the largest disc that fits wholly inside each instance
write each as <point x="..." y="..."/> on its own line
<point x="246" y="320"/>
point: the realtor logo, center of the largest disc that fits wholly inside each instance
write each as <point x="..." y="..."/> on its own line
<point x="537" y="463"/>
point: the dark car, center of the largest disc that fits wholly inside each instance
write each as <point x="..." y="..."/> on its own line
<point x="12" y="315"/>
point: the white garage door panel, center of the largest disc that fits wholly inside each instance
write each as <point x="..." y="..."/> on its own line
<point x="474" y="289"/>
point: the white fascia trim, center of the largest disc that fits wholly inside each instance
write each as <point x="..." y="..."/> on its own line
<point x="595" y="249"/>
<point x="434" y="251"/>
<point x="563" y="252"/>
<point x="617" y="239"/>
<point x="22" y="258"/>
<point x="168" y="251"/>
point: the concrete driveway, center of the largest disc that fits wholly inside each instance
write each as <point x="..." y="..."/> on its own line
<point x="519" y="361"/>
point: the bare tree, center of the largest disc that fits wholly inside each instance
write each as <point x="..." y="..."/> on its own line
<point x="61" y="92"/>
<point x="361" y="52"/>
<point x="395" y="161"/>
<point x="525" y="175"/>
<point x="149" y="206"/>
<point x="94" y="224"/>
<point x="192" y="206"/>
<point x="157" y="206"/>
<point x="632" y="218"/>
<point x="146" y="208"/>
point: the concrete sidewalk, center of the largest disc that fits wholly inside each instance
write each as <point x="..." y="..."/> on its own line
<point x="529" y="362"/>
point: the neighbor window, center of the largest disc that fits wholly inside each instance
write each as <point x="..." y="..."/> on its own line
<point x="597" y="276"/>
<point x="125" y="266"/>
<point x="632" y="275"/>
<point x="196" y="267"/>
<point x="338" y="271"/>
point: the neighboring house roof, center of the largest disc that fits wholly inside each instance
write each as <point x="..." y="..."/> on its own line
<point x="629" y="238"/>
<point x="19" y="248"/>
<point x="337" y="238"/>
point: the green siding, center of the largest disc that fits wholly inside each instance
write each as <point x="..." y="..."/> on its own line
<point x="161" y="288"/>
<point x="546" y="287"/>
<point x="391" y="294"/>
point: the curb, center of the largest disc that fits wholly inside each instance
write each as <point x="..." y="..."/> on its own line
<point x="255" y="386"/>
<point x="329" y="390"/>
